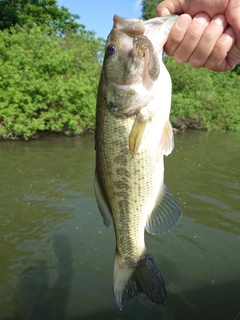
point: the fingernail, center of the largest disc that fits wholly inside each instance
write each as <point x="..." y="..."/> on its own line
<point x="219" y="20"/>
<point x="201" y="19"/>
<point x="183" y="22"/>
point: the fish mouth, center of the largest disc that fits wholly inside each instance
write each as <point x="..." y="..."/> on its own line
<point x="129" y="94"/>
<point x="140" y="45"/>
<point x="144" y="64"/>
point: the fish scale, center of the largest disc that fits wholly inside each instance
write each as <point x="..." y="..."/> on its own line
<point x="131" y="139"/>
<point x="133" y="178"/>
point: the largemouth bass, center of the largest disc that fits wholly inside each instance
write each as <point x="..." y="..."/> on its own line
<point x="133" y="133"/>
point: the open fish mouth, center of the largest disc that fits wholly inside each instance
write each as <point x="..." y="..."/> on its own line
<point x="129" y="93"/>
<point x="140" y="42"/>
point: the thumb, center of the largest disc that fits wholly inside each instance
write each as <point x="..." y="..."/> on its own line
<point x="162" y="11"/>
<point x="167" y="7"/>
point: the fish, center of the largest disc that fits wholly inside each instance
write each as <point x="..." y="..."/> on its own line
<point x="132" y="135"/>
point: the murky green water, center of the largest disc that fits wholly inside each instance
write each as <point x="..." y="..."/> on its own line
<point x="56" y="257"/>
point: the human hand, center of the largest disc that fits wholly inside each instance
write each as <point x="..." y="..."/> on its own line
<point x="207" y="34"/>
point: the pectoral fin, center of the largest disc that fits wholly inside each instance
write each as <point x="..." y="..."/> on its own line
<point x="103" y="208"/>
<point x="166" y="215"/>
<point x="167" y="141"/>
<point x="136" y="134"/>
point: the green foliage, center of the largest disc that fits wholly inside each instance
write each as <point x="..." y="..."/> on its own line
<point x="49" y="73"/>
<point x="237" y="69"/>
<point x="202" y="98"/>
<point x="40" y="12"/>
<point x="149" y="9"/>
<point x="47" y="82"/>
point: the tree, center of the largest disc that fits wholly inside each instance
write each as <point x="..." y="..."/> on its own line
<point x="40" y="12"/>
<point x="149" y="8"/>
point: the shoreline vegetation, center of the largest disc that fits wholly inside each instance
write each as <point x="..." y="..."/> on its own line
<point x="203" y="99"/>
<point x="50" y="67"/>
<point x="47" y="82"/>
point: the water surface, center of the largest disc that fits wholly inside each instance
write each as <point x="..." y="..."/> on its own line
<point x="56" y="257"/>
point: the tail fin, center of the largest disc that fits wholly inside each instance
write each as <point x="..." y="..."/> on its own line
<point x="144" y="276"/>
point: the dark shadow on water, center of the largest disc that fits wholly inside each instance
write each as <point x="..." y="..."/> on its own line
<point x="35" y="297"/>
<point x="220" y="302"/>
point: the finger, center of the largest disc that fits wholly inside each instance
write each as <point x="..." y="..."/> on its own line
<point x="233" y="14"/>
<point x="217" y="60"/>
<point x="191" y="38"/>
<point x="177" y="33"/>
<point x="208" y="40"/>
<point x="233" y="57"/>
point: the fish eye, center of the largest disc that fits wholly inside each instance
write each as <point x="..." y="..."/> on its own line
<point x="111" y="49"/>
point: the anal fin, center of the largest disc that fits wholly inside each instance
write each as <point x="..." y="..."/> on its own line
<point x="166" y="215"/>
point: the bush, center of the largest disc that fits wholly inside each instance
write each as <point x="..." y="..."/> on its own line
<point x="47" y="82"/>
<point x="204" y="99"/>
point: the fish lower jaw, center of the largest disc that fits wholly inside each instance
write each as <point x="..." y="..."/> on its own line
<point x="141" y="97"/>
<point x="128" y="83"/>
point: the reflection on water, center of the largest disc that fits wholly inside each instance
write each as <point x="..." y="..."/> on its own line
<point x="34" y="297"/>
<point x="57" y="257"/>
